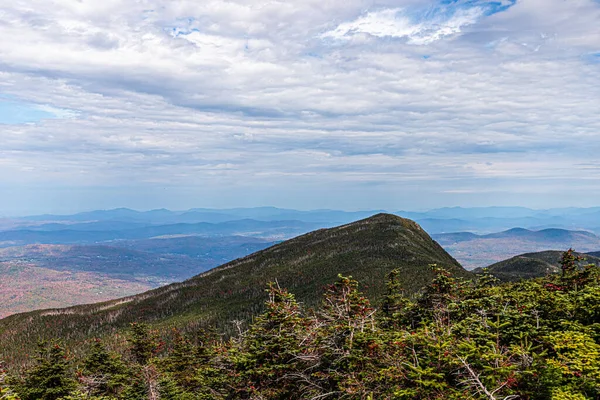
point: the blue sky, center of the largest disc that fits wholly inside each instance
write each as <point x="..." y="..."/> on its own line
<point x="15" y="112"/>
<point x="347" y="104"/>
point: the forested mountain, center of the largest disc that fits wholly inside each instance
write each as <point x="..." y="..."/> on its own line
<point x="533" y="265"/>
<point x="367" y="250"/>
<point x="457" y="339"/>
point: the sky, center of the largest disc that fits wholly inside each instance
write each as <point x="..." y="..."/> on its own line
<point x="344" y="104"/>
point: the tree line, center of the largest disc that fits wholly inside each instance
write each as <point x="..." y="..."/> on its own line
<point x="456" y="339"/>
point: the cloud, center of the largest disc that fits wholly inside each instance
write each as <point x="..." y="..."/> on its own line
<point x="419" y="25"/>
<point x="224" y="98"/>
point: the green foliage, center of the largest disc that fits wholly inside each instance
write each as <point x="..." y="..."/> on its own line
<point x="534" y="339"/>
<point x="568" y="262"/>
<point x="102" y="373"/>
<point x="575" y="362"/>
<point x="268" y="355"/>
<point x="143" y="343"/>
<point x="6" y="392"/>
<point x="394" y="299"/>
<point x="50" y="378"/>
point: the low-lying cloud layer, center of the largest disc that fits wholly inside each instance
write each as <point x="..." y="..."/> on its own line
<point x="393" y="104"/>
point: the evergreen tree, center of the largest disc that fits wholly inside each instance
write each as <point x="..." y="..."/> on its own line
<point x="269" y="356"/>
<point x="50" y="378"/>
<point x="143" y="343"/>
<point x="181" y="362"/>
<point x="6" y="392"/>
<point x="102" y="373"/>
<point x="568" y="262"/>
<point x="394" y="303"/>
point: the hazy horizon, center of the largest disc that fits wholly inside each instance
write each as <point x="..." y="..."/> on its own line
<point x="348" y="210"/>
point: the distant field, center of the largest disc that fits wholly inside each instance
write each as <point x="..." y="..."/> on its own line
<point x="25" y="286"/>
<point x="38" y="276"/>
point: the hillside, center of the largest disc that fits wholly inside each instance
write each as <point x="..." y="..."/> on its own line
<point x="532" y="265"/>
<point x="535" y="339"/>
<point x="478" y="251"/>
<point x="367" y="250"/>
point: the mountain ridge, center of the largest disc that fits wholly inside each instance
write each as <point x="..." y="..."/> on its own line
<point x="533" y="265"/>
<point x="367" y="249"/>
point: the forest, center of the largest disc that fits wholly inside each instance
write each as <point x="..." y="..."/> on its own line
<point x="456" y="339"/>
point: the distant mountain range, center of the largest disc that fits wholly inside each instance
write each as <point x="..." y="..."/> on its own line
<point x="367" y="250"/>
<point x="478" y="220"/>
<point x="533" y="265"/>
<point x="474" y="250"/>
<point x="74" y="234"/>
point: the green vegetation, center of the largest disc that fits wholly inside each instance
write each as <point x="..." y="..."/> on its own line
<point x="457" y="339"/>
<point x="367" y="249"/>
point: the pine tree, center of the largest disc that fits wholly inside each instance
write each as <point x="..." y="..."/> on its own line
<point x="394" y="301"/>
<point x="568" y="262"/>
<point x="143" y="343"/>
<point x="270" y="354"/>
<point x="102" y="373"/>
<point x="345" y="334"/>
<point x="6" y="392"/>
<point x="50" y="378"/>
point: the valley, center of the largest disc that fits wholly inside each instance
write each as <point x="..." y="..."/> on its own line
<point x="25" y="286"/>
<point x="48" y="275"/>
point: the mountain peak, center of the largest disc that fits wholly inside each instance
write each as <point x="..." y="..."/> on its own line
<point x="389" y="219"/>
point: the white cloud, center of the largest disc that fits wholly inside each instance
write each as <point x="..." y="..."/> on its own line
<point x="221" y="94"/>
<point x="397" y="23"/>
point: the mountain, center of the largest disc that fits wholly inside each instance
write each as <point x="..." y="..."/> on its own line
<point x="481" y="212"/>
<point x="474" y="251"/>
<point x="544" y="235"/>
<point x="366" y="249"/>
<point x="195" y="215"/>
<point x="532" y="265"/>
<point x="245" y="227"/>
